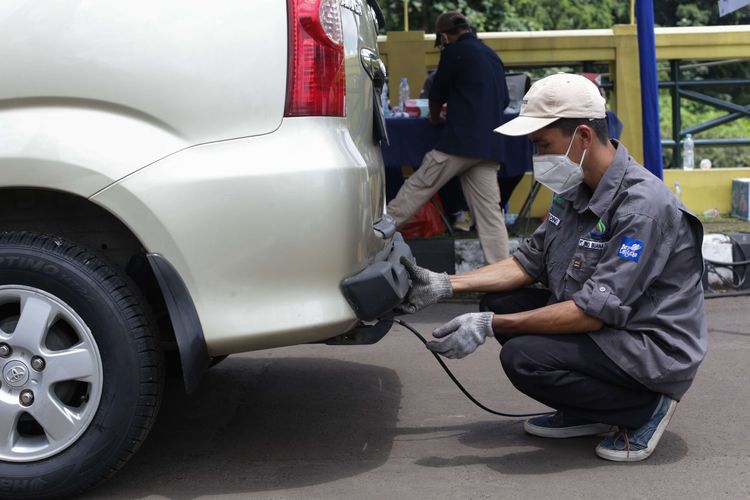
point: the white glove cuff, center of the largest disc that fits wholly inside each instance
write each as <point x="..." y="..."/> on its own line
<point x="441" y="285"/>
<point x="485" y="324"/>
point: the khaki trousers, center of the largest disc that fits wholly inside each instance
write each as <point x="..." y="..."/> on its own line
<point x="479" y="183"/>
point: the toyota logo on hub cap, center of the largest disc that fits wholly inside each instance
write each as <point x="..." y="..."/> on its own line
<point x="15" y="374"/>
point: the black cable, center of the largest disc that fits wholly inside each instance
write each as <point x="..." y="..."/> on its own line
<point x="711" y="268"/>
<point x="728" y="264"/>
<point x="738" y="268"/>
<point x="719" y="295"/>
<point x="738" y="277"/>
<point x="458" y="384"/>
<point x="736" y="247"/>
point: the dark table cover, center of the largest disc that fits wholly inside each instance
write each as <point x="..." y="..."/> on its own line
<point x="411" y="138"/>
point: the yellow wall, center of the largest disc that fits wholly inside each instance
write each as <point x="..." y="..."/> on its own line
<point x="701" y="190"/>
<point x="704" y="189"/>
<point x="411" y="53"/>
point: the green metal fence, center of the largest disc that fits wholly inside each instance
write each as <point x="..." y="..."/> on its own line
<point x="690" y="89"/>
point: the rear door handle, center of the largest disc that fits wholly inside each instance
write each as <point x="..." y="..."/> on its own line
<point x="374" y="67"/>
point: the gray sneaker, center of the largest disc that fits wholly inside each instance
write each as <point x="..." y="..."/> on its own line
<point x="558" y="425"/>
<point x="638" y="444"/>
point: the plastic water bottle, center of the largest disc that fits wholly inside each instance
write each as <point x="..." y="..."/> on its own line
<point x="688" y="153"/>
<point x="384" y="101"/>
<point x="403" y="92"/>
<point x="677" y="190"/>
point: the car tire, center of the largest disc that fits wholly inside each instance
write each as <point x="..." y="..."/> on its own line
<point x="81" y="379"/>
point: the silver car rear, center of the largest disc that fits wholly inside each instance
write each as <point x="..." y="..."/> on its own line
<point x="199" y="177"/>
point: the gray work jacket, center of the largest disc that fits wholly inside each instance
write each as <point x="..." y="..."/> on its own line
<point x="630" y="255"/>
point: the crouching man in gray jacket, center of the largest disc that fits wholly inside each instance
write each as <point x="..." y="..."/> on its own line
<point x="615" y="337"/>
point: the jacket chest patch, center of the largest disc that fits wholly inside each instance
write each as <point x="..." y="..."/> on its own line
<point x="591" y="244"/>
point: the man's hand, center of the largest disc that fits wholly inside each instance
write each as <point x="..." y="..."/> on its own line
<point x="438" y="120"/>
<point x="464" y="334"/>
<point x="426" y="289"/>
<point x="437" y="117"/>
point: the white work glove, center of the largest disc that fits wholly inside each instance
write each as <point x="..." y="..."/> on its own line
<point x="464" y="334"/>
<point x="427" y="288"/>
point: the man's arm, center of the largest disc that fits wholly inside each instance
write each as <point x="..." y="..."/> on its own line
<point x="498" y="277"/>
<point x="465" y="333"/>
<point x="441" y="82"/>
<point x="560" y="318"/>
<point x="428" y="287"/>
<point x="508" y="274"/>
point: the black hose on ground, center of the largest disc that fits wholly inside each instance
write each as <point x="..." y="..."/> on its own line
<point x="458" y="384"/>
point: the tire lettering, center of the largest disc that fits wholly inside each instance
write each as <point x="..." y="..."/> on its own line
<point x="10" y="260"/>
<point x="35" y="265"/>
<point x="47" y="268"/>
<point x="51" y="270"/>
<point x="22" y="484"/>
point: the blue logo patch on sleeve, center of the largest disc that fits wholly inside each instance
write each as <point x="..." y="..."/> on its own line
<point x="630" y="249"/>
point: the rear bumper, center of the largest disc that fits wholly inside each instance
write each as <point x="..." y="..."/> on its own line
<point x="382" y="285"/>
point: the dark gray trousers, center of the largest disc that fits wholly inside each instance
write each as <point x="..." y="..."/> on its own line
<point x="569" y="373"/>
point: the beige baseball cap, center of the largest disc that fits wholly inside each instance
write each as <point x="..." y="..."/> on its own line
<point x="557" y="96"/>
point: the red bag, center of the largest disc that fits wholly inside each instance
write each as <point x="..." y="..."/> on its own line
<point x="426" y="222"/>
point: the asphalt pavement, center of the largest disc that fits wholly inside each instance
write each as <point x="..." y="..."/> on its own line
<point x="384" y="421"/>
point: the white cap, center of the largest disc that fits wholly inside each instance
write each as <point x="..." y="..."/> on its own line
<point x="557" y="96"/>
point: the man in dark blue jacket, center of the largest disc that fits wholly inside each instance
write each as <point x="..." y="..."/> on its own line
<point x="471" y="80"/>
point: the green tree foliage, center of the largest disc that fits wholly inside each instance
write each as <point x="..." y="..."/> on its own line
<point x="706" y="13"/>
<point x="509" y="15"/>
<point x="697" y="13"/>
<point x="530" y="15"/>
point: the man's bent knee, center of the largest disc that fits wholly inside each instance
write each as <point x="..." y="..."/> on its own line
<point x="514" y="360"/>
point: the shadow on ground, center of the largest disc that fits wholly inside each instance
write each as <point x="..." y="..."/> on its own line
<point x="538" y="455"/>
<point x="265" y="424"/>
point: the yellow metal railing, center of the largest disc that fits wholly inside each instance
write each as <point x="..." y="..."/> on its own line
<point x="412" y="53"/>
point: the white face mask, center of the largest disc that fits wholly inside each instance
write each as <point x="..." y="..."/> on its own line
<point x="558" y="172"/>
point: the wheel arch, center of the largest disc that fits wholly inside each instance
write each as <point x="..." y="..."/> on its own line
<point x="78" y="219"/>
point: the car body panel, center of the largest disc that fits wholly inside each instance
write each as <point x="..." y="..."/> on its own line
<point x="77" y="146"/>
<point x="261" y="232"/>
<point x="115" y="86"/>
<point x="127" y="54"/>
<point x="360" y="33"/>
<point x="170" y="115"/>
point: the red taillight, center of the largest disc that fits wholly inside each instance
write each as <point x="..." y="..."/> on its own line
<point x="316" y="81"/>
